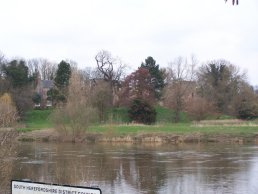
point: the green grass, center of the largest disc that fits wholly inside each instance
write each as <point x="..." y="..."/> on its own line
<point x="181" y="128"/>
<point x="165" y="115"/>
<point x="37" y="119"/>
<point x="117" y="115"/>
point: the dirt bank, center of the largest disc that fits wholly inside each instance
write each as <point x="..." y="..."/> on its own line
<point x="52" y="135"/>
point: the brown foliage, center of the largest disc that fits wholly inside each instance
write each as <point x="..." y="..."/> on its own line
<point x="138" y="85"/>
<point x="73" y="117"/>
<point x="8" y="112"/>
<point x="245" y="104"/>
<point x="180" y="84"/>
<point x="199" y="108"/>
<point x="101" y="98"/>
<point x="219" y="82"/>
<point x="22" y="98"/>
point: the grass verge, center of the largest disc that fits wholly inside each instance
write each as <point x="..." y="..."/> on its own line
<point x="40" y="119"/>
<point x="181" y="128"/>
<point x="37" y="119"/>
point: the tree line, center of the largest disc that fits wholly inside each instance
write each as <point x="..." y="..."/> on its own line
<point x="215" y="88"/>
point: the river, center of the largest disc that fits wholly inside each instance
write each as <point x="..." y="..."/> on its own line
<point x="130" y="168"/>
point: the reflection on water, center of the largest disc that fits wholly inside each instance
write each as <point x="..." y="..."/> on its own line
<point x="205" y="168"/>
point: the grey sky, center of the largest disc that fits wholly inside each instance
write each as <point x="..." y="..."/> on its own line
<point x="132" y="30"/>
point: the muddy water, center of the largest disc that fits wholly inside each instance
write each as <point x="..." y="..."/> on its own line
<point x="206" y="168"/>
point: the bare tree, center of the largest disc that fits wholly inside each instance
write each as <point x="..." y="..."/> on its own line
<point x="44" y="67"/>
<point x="33" y="66"/>
<point x="112" y="69"/>
<point x="180" y="84"/>
<point x="4" y="84"/>
<point x="2" y="58"/>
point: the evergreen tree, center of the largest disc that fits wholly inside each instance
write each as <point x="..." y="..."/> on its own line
<point x="18" y="82"/>
<point x="63" y="75"/>
<point x="157" y="77"/>
<point x="61" y="81"/>
<point x="17" y="73"/>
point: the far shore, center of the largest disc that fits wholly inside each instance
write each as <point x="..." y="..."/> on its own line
<point x="52" y="135"/>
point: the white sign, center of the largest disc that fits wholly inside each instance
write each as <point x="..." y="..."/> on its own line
<point x="24" y="187"/>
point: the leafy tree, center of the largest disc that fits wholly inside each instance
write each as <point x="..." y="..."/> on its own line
<point x="157" y="76"/>
<point x="137" y="85"/>
<point x="142" y="112"/>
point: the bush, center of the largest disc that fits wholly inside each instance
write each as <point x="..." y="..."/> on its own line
<point x="247" y="110"/>
<point x="74" y="117"/>
<point x="199" y="108"/>
<point x="36" y="98"/>
<point x="8" y="112"/>
<point x="142" y="112"/>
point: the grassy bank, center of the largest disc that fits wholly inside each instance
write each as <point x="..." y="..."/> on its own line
<point x="37" y="119"/>
<point x="40" y="119"/>
<point x="182" y="128"/>
<point x="166" y="133"/>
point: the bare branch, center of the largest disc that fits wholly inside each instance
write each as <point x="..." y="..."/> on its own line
<point x="233" y="2"/>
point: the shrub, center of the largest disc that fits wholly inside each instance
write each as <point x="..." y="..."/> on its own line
<point x="36" y="98"/>
<point x="75" y="116"/>
<point x="8" y="112"/>
<point x="142" y="112"/>
<point x="247" y="110"/>
<point x="199" y="108"/>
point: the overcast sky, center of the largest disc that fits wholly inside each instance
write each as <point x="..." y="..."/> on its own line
<point x="132" y="30"/>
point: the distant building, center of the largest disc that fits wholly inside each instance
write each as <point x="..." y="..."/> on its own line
<point x="42" y="87"/>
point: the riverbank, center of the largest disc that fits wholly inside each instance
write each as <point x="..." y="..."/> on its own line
<point x="50" y="135"/>
<point x="226" y="131"/>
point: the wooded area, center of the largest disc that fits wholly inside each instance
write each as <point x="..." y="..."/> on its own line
<point x="83" y="96"/>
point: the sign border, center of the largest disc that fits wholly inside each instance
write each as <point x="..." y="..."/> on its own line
<point x="81" y="187"/>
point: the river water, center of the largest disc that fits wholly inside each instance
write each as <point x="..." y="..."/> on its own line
<point x="129" y="168"/>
